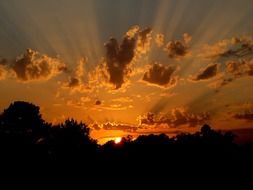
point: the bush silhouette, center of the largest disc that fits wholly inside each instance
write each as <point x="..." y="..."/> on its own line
<point x="22" y="123"/>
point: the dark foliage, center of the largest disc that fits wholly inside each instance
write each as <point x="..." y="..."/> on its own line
<point x="25" y="136"/>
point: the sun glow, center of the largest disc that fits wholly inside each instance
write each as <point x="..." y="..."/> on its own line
<point x="117" y="140"/>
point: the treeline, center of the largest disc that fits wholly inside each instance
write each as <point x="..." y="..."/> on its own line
<point x="25" y="136"/>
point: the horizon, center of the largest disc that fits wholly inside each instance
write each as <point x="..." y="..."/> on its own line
<point x="242" y="135"/>
<point x="131" y="67"/>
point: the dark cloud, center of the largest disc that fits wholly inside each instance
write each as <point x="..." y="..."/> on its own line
<point x="119" y="57"/>
<point x="73" y="82"/>
<point x="94" y="126"/>
<point x="182" y="117"/>
<point x="241" y="48"/>
<point x="236" y="47"/>
<point x="144" y="40"/>
<point x="176" y="118"/>
<point x="210" y="71"/>
<point x="3" y="61"/>
<point x="160" y="75"/>
<point x="35" y="66"/>
<point x="235" y="53"/>
<point x="148" y="119"/>
<point x="178" y="48"/>
<point x="247" y="116"/>
<point x="76" y="80"/>
<point x="122" y="127"/>
<point x="234" y="69"/>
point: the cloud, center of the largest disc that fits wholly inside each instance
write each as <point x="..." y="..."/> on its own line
<point x="118" y="57"/>
<point x="187" y="38"/>
<point x="209" y="72"/>
<point x="159" y="40"/>
<point x="83" y="102"/>
<point x="95" y="126"/>
<point x="114" y="126"/>
<point x="182" y="117"/>
<point x="123" y="99"/>
<point x="113" y="107"/>
<point x="144" y="41"/>
<point x="178" y="48"/>
<point x="3" y="72"/>
<point x="241" y="111"/>
<point x="76" y="81"/>
<point x="236" y="47"/>
<point x="132" y="31"/>
<point x="33" y="65"/>
<point x="247" y="116"/>
<point x="3" y="69"/>
<point x="240" y="67"/>
<point x="117" y="126"/>
<point x="117" y="65"/>
<point x="220" y="82"/>
<point x="234" y="69"/>
<point x="177" y="117"/>
<point x="235" y="56"/>
<point x="160" y="75"/>
<point x="77" y="78"/>
<point x="3" y="61"/>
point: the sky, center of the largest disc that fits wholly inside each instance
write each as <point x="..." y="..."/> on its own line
<point x="130" y="66"/>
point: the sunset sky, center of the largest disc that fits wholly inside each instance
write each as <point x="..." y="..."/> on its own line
<point x="130" y="66"/>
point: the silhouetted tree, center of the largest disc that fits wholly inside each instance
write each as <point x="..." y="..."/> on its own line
<point x="71" y="139"/>
<point x="22" y="123"/>
<point x="21" y="127"/>
<point x="22" y="114"/>
<point x="206" y="130"/>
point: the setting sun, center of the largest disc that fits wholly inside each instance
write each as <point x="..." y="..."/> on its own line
<point x="117" y="140"/>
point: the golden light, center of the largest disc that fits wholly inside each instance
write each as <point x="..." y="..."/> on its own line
<point x="117" y="140"/>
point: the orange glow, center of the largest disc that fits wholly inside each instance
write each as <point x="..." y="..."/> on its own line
<point x="117" y="140"/>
